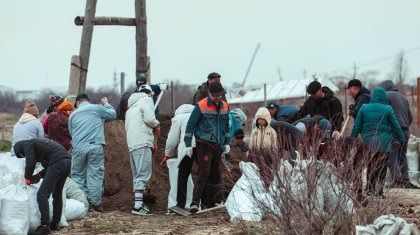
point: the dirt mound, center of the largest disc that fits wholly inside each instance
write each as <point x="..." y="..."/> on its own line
<point x="118" y="193"/>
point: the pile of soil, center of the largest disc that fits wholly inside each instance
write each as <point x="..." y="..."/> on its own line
<point x="118" y="192"/>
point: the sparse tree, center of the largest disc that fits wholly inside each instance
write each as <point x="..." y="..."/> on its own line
<point x="400" y="69"/>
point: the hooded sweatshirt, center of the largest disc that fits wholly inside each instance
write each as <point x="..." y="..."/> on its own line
<point x="26" y="128"/>
<point x="177" y="132"/>
<point x="399" y="104"/>
<point x="263" y="137"/>
<point x="376" y="122"/>
<point x="140" y="120"/>
<point x="237" y="118"/>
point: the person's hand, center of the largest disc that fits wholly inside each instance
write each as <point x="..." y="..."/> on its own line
<point x="163" y="86"/>
<point x="37" y="177"/>
<point x="27" y="181"/>
<point x="227" y="149"/>
<point x="163" y="162"/>
<point x="336" y="135"/>
<point x="104" y="101"/>
<point x="189" y="151"/>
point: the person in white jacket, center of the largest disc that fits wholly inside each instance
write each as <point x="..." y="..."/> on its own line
<point x="140" y="124"/>
<point x="180" y="179"/>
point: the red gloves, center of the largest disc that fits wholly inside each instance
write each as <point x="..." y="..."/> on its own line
<point x="27" y="181"/>
<point x="35" y="179"/>
<point x="163" y="162"/>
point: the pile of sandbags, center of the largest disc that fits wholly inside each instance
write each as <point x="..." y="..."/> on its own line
<point x="413" y="153"/>
<point x="19" y="213"/>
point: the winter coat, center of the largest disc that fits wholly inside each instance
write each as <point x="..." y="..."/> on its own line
<point x="140" y="120"/>
<point x="177" y="132"/>
<point x="209" y="123"/>
<point x="40" y="150"/>
<point x="26" y="128"/>
<point x="285" y="111"/>
<point x="263" y="137"/>
<point x="328" y="106"/>
<point x="58" y="129"/>
<point x="376" y="122"/>
<point x="362" y="97"/>
<point x="203" y="92"/>
<point x="237" y="118"/>
<point x="86" y="125"/>
<point x="399" y="104"/>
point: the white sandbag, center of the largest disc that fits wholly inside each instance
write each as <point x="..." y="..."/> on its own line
<point x="74" y="192"/>
<point x="412" y="161"/>
<point x="74" y="210"/>
<point x="414" y="178"/>
<point x="241" y="203"/>
<point x="172" y="165"/>
<point x="14" y="214"/>
<point x="5" y="179"/>
<point x="388" y="225"/>
<point x="34" y="214"/>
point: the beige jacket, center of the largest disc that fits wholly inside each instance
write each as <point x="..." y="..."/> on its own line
<point x="263" y="136"/>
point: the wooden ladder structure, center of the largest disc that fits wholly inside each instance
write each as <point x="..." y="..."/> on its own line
<point x="80" y="63"/>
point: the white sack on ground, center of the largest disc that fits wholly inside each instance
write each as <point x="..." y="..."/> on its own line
<point x="388" y="225"/>
<point x="74" y="210"/>
<point x="241" y="204"/>
<point x="14" y="214"/>
<point x="74" y="192"/>
<point x="413" y="167"/>
<point x="172" y="165"/>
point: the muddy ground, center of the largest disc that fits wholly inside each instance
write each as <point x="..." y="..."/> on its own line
<point x="118" y="199"/>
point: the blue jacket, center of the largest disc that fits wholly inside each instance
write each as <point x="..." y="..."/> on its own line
<point x="208" y="123"/>
<point x="86" y="125"/>
<point x="376" y="122"/>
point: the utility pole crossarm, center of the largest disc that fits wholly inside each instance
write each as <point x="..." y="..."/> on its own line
<point x="120" y="21"/>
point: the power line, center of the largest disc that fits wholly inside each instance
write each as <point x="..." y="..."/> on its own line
<point x="372" y="62"/>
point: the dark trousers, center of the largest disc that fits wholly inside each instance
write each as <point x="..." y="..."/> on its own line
<point x="208" y="185"/>
<point x="184" y="172"/>
<point x="376" y="172"/>
<point x="53" y="182"/>
<point x="398" y="165"/>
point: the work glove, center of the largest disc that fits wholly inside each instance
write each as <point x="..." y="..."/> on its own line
<point x="336" y="135"/>
<point x="163" y="86"/>
<point x="189" y="151"/>
<point x="163" y="162"/>
<point x="227" y="149"/>
<point x="32" y="181"/>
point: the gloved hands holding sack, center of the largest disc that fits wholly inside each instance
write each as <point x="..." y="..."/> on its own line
<point x="227" y="149"/>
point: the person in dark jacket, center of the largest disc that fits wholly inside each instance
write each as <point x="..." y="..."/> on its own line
<point x="281" y="113"/>
<point x="203" y="89"/>
<point x="398" y="159"/>
<point x="209" y="123"/>
<point x="57" y="165"/>
<point x="360" y="94"/>
<point x="323" y="102"/>
<point x="157" y="89"/>
<point x="58" y="124"/>
<point x="377" y="123"/>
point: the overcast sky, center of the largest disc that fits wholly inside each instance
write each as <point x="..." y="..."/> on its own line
<point x="188" y="39"/>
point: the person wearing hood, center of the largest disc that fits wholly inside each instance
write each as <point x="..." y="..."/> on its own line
<point x="86" y="127"/>
<point x="263" y="136"/>
<point x="398" y="159"/>
<point x="156" y="89"/>
<point x="58" y="124"/>
<point x="140" y="126"/>
<point x="237" y="119"/>
<point x="323" y="102"/>
<point x="55" y="100"/>
<point x="209" y="124"/>
<point x="377" y="124"/>
<point x="28" y="126"/>
<point x="180" y="180"/>
<point x="360" y="94"/>
<point x="56" y="163"/>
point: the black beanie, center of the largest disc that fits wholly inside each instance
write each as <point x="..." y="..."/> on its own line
<point x="313" y="87"/>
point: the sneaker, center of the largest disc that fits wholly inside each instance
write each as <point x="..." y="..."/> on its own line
<point x="143" y="210"/>
<point x="194" y="209"/>
<point x="97" y="208"/>
<point x="42" y="230"/>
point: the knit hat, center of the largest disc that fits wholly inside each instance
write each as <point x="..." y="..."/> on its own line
<point x="30" y="107"/>
<point x="271" y="105"/>
<point x="65" y="106"/>
<point x="239" y="133"/>
<point x="145" y="89"/>
<point x="141" y="80"/>
<point x="313" y="87"/>
<point x="216" y="89"/>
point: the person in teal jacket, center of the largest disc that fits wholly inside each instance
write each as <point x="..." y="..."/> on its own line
<point x="376" y="122"/>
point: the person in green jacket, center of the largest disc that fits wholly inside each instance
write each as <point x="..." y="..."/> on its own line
<point x="376" y="122"/>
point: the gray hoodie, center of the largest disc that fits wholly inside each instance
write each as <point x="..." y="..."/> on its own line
<point x="399" y="104"/>
<point x="26" y="128"/>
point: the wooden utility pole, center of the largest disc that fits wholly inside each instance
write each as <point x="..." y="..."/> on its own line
<point x="88" y="22"/>
<point x="418" y="102"/>
<point x="86" y="42"/>
<point x="142" y="65"/>
<point x="75" y="68"/>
